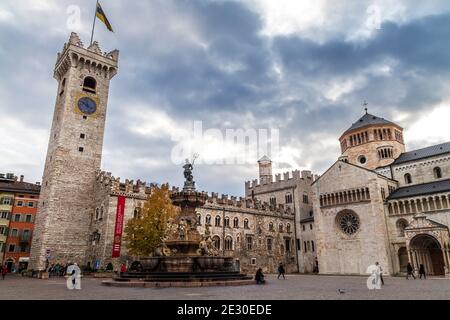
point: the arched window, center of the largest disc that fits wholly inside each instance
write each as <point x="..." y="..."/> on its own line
<point x="401" y="225"/>
<point x="216" y="242"/>
<point x="217" y="221"/>
<point x="227" y="222"/>
<point x="89" y="85"/>
<point x="288" y="228"/>
<point x="280" y="227"/>
<point x="408" y="178"/>
<point x="136" y="213"/>
<point x="306" y="248"/>
<point x="312" y="246"/>
<point x="273" y="201"/>
<point x="437" y="172"/>
<point x="97" y="214"/>
<point x="228" y="243"/>
<point x="208" y="219"/>
<point x="246" y="224"/>
<point x="288" y="198"/>
<point x="236" y="222"/>
<point x="199" y="220"/>
<point x="305" y="198"/>
<point x="270" y="226"/>
<point x="101" y="213"/>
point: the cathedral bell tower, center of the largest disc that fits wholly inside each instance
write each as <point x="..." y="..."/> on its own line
<point x="74" y="153"/>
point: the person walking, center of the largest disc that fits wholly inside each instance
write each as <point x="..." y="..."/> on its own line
<point x="422" y="272"/>
<point x="380" y="272"/>
<point x="259" y="277"/>
<point x="123" y="269"/>
<point x="409" y="271"/>
<point x="316" y="266"/>
<point x="4" y="271"/>
<point x="281" y="271"/>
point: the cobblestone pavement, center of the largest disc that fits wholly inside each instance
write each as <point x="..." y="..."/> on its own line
<point x="303" y="287"/>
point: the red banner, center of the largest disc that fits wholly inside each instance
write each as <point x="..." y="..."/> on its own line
<point x="119" y="226"/>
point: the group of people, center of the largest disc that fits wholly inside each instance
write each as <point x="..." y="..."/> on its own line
<point x="410" y="271"/>
<point x="259" y="276"/>
<point x="57" y="270"/>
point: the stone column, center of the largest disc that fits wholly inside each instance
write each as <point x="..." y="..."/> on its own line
<point x="446" y="267"/>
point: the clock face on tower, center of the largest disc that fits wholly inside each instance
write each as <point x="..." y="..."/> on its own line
<point x="87" y="105"/>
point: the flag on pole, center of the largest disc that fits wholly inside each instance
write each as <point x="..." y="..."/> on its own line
<point x="101" y="15"/>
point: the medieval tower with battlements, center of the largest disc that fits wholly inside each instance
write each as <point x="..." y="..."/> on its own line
<point x="74" y="153"/>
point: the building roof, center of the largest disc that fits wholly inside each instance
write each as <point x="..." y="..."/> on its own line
<point x="264" y="158"/>
<point x="17" y="186"/>
<point x="421" y="189"/>
<point x="367" y="120"/>
<point x="423" y="153"/>
<point x="353" y="165"/>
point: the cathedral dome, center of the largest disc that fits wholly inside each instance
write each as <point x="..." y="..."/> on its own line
<point x="372" y="142"/>
<point x="368" y="120"/>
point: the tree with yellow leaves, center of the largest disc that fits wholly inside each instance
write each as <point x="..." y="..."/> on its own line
<point x="144" y="233"/>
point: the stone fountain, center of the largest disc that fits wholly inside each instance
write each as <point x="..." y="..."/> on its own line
<point x="185" y="258"/>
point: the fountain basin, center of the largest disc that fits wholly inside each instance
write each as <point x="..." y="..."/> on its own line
<point x="149" y="263"/>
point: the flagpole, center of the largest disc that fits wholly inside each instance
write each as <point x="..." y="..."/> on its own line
<point x="93" y="25"/>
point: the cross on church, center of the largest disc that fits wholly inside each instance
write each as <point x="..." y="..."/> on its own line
<point x="365" y="104"/>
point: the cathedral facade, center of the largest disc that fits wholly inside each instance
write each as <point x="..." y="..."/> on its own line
<point x="376" y="203"/>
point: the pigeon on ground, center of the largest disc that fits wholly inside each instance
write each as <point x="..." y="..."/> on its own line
<point x="341" y="291"/>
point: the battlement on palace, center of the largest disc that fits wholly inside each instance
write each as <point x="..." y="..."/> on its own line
<point x="240" y="203"/>
<point x="126" y="188"/>
<point x="287" y="179"/>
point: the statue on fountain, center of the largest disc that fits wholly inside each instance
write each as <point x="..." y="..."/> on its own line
<point x="206" y="245"/>
<point x="188" y="167"/>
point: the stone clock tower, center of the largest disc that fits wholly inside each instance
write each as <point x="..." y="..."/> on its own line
<point x="74" y="153"/>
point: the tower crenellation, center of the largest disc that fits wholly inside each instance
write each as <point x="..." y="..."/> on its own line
<point x="289" y="177"/>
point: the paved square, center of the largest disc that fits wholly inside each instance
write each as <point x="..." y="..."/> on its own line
<point x="301" y="287"/>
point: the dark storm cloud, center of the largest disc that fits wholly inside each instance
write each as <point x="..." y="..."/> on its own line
<point x="419" y="48"/>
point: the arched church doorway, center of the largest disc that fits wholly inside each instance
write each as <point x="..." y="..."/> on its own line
<point x="426" y="250"/>
<point x="402" y="259"/>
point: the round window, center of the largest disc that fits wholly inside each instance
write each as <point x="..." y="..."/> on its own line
<point x="348" y="222"/>
<point x="362" y="159"/>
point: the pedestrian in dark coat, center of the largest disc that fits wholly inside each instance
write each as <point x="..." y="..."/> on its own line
<point x="422" y="272"/>
<point x="281" y="271"/>
<point x="409" y="271"/>
<point x="4" y="272"/>
<point x="259" y="277"/>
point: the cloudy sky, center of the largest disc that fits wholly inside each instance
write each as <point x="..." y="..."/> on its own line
<point x="303" y="68"/>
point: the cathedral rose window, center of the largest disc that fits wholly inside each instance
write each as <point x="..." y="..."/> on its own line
<point x="348" y="222"/>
